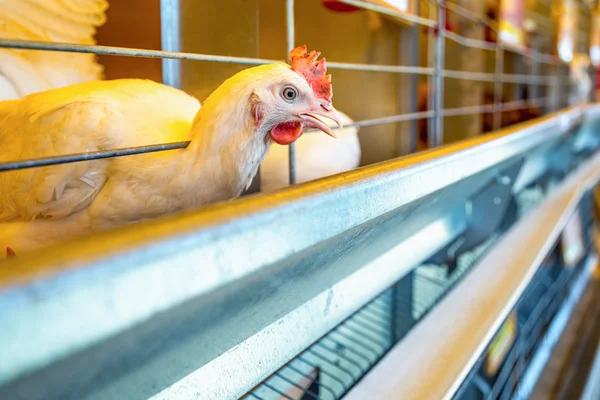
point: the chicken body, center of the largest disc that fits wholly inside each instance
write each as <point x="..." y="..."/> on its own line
<point x="317" y="156"/>
<point x="229" y="137"/>
<point x="91" y="117"/>
<point x="83" y="118"/>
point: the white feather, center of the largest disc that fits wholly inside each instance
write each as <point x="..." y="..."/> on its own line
<point x="30" y="71"/>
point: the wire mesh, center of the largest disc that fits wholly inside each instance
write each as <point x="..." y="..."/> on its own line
<point x="331" y="366"/>
<point x="437" y="72"/>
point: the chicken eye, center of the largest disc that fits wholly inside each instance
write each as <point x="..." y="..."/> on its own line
<point x="289" y="93"/>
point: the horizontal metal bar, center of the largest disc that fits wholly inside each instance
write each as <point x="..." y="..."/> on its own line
<point x="145" y="53"/>
<point x="96" y="155"/>
<point x="387" y="11"/>
<point x="183" y="261"/>
<point x="126" y="51"/>
<point x="400" y="69"/>
<point x="472" y="16"/>
<point x="453" y="112"/>
<point x="392" y="119"/>
<point x="520" y="50"/>
<point x="490" y="77"/>
<point x="134" y="52"/>
<point x="550" y="59"/>
<point x="525" y="78"/>
<point x="71" y="158"/>
<point x="487" y="108"/>
<point x="466" y="42"/>
<point x="474" y="76"/>
<point x="514" y="105"/>
<point x="497" y="281"/>
<point x="520" y="104"/>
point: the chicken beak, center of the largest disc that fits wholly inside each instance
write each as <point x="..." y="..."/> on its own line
<point x="311" y="120"/>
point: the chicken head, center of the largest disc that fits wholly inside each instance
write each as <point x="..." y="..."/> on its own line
<point x="295" y="99"/>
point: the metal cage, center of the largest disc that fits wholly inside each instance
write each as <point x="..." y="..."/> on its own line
<point x="312" y="317"/>
<point x="543" y="71"/>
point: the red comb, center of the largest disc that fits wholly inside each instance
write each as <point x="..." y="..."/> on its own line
<point x="313" y="71"/>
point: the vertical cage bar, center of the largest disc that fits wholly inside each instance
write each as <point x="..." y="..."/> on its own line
<point x="289" y="14"/>
<point x="430" y="48"/>
<point x="567" y="86"/>
<point x="169" y="25"/>
<point x="521" y="362"/>
<point x="498" y="86"/>
<point x="554" y="89"/>
<point x="414" y="82"/>
<point x="594" y="77"/>
<point x="560" y="87"/>
<point x="255" y="184"/>
<point x="534" y="70"/>
<point x="519" y="65"/>
<point x="438" y="93"/>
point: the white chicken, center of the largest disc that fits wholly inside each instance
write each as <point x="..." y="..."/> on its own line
<point x="316" y="156"/>
<point x="229" y="135"/>
<point x="28" y="71"/>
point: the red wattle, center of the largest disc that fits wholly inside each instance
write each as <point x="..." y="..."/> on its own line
<point x="286" y="132"/>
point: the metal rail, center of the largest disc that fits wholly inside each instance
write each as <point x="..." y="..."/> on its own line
<point x="497" y="282"/>
<point x="70" y="158"/>
<point x="291" y="39"/>
<point x="196" y="278"/>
